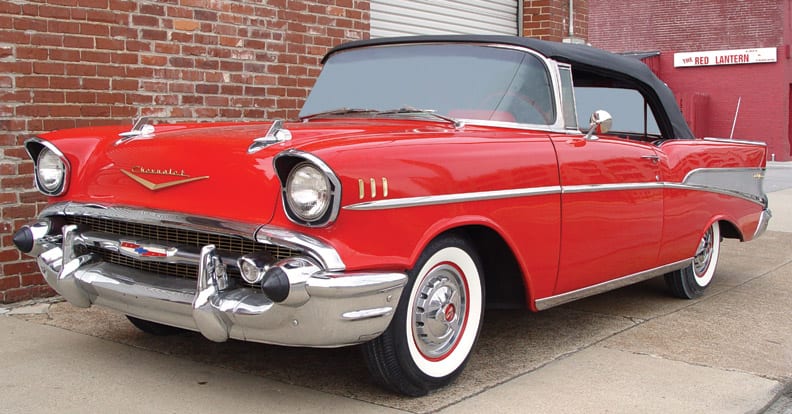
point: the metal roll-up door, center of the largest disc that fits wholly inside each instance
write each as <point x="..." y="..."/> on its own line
<point x="426" y="17"/>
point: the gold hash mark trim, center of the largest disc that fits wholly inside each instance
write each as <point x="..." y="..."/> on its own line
<point x="360" y="188"/>
<point x="154" y="187"/>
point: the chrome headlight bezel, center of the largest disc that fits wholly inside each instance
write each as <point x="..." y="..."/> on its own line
<point x="297" y="168"/>
<point x="46" y="155"/>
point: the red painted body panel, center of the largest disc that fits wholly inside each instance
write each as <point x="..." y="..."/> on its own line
<point x="432" y="160"/>
<point x="562" y="242"/>
<point x="688" y="213"/>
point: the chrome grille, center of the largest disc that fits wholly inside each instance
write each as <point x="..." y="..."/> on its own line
<point x="233" y="245"/>
<point x="170" y="269"/>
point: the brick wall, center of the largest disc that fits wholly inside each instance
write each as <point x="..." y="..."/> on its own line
<point x="671" y="26"/>
<point x="549" y="19"/>
<point x="68" y="63"/>
<point x="685" y="25"/>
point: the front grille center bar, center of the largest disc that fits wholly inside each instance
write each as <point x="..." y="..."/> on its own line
<point x="148" y="250"/>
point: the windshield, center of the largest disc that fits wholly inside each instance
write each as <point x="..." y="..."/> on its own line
<point x="458" y="81"/>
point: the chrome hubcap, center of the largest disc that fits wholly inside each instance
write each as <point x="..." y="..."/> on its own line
<point x="703" y="254"/>
<point x="439" y="311"/>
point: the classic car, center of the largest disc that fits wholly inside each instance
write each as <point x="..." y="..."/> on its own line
<point x="427" y="179"/>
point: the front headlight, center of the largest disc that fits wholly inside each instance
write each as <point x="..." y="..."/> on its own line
<point x="50" y="171"/>
<point x="308" y="192"/>
<point x="51" y="167"/>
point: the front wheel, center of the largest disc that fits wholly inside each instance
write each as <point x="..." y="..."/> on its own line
<point x="436" y="323"/>
<point x="690" y="282"/>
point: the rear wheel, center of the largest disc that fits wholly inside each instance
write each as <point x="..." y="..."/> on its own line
<point x="154" y="328"/>
<point x="436" y="323"/>
<point x="690" y="282"/>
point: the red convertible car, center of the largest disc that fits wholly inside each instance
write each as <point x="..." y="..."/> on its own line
<point x="427" y="179"/>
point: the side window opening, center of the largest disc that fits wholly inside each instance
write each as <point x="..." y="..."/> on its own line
<point x="632" y="116"/>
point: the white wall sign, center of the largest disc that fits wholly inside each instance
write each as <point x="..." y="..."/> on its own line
<point x="725" y="57"/>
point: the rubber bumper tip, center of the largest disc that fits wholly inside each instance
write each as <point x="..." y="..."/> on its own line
<point x="23" y="240"/>
<point x="276" y="284"/>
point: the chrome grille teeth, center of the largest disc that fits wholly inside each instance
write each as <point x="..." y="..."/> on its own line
<point x="173" y="236"/>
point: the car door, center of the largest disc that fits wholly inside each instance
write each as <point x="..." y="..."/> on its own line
<point x="611" y="209"/>
<point x="612" y="198"/>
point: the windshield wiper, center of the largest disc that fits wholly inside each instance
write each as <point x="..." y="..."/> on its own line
<point x="431" y="112"/>
<point x="338" y="111"/>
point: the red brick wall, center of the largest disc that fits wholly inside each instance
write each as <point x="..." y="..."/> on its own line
<point x="685" y="25"/>
<point x="67" y="63"/>
<point x="549" y="19"/>
<point x="671" y="26"/>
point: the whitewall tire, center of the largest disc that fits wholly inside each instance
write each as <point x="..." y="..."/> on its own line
<point x="690" y="282"/>
<point x="436" y="324"/>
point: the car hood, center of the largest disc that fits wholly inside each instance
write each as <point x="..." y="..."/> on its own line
<point x="201" y="169"/>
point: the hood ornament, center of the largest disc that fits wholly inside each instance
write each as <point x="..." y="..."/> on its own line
<point x="276" y="133"/>
<point x="140" y="127"/>
<point x="154" y="187"/>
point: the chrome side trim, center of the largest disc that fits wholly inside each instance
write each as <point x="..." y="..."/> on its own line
<point x="594" y="188"/>
<point x="549" y="302"/>
<point x="735" y="141"/>
<point x="741" y="182"/>
<point x="755" y="195"/>
<point x="746" y="197"/>
<point x="452" y="198"/>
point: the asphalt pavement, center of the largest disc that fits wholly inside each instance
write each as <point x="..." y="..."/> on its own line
<point x="633" y="350"/>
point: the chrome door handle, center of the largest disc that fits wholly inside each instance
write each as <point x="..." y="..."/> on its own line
<point x="654" y="158"/>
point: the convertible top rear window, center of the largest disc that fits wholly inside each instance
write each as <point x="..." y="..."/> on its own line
<point x="461" y="81"/>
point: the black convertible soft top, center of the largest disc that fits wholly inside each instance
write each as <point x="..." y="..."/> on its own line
<point x="586" y="61"/>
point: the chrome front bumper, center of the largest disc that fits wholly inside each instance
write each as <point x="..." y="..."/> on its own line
<point x="323" y="309"/>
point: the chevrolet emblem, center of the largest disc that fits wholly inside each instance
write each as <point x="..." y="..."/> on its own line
<point x="154" y="187"/>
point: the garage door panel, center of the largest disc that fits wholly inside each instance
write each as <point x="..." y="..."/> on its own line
<point x="416" y="17"/>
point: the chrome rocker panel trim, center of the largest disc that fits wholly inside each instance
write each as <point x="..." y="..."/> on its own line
<point x="324" y="308"/>
<point x="551" y="301"/>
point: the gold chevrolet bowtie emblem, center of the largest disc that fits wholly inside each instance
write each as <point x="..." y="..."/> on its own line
<point x="154" y="187"/>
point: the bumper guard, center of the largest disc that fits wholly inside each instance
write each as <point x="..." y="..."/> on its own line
<point x="324" y="308"/>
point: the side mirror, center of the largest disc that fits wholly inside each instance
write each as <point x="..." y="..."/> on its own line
<point x="600" y="123"/>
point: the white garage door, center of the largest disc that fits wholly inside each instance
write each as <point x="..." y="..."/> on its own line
<point x="426" y="17"/>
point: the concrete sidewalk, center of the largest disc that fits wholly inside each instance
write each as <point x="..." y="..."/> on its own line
<point x="628" y="351"/>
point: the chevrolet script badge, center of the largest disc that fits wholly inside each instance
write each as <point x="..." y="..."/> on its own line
<point x="159" y="186"/>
